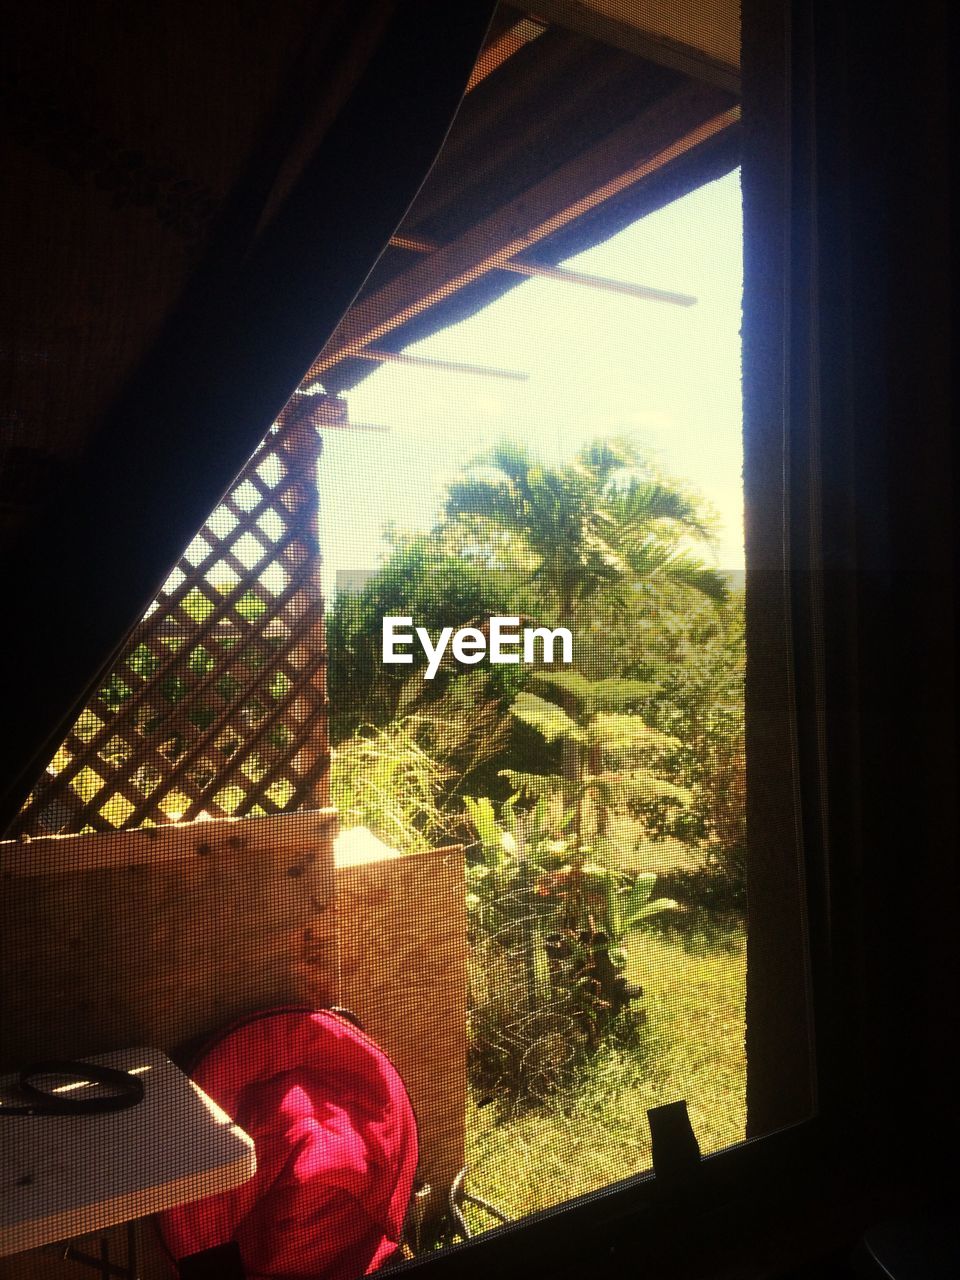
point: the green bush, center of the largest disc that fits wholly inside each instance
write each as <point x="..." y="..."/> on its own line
<point x="547" y="931"/>
<point x="384" y="780"/>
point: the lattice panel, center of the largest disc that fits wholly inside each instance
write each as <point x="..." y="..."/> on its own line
<point x="216" y="707"/>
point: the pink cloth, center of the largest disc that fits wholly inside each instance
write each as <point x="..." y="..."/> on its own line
<point x="336" y="1144"/>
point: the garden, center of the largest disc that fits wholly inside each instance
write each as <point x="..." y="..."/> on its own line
<point x="601" y="803"/>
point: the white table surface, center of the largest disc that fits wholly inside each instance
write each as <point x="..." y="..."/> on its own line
<point x="66" y="1176"/>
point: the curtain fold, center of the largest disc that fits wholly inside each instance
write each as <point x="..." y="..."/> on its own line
<point x="200" y="193"/>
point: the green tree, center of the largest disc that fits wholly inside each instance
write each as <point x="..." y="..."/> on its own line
<point x="601" y="524"/>
<point x="698" y="698"/>
<point x="620" y="756"/>
<point x="597" y="522"/>
<point x="424" y="578"/>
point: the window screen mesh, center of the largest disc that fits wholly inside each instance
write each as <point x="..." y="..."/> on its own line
<point x="446" y="726"/>
<point x="215" y="707"/>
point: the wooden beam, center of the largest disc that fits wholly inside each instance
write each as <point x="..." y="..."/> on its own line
<point x="482" y="116"/>
<point x="503" y="47"/>
<point x="616" y="163"/>
<point x="445" y="366"/>
<point x="565" y="276"/>
<point x="639" y="35"/>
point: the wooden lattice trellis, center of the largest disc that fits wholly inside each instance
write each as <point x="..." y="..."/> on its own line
<point x="216" y="706"/>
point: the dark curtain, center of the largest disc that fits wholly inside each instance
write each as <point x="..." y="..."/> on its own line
<point x="195" y="194"/>
<point x="847" y="192"/>
<point x="877" y="242"/>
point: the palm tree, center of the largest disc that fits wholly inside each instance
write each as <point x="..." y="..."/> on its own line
<point x="596" y="522"/>
<point x="600" y="522"/>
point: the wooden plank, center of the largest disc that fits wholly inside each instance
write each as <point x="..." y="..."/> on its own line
<point x="161" y="935"/>
<point x="482" y="116"/>
<point x="702" y="42"/>
<point x="622" y="159"/>
<point x="562" y="274"/>
<point x="403" y="967"/>
<point x="443" y="366"/>
<point x="504" y="46"/>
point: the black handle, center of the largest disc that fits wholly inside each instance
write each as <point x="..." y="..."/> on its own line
<point x="127" y="1090"/>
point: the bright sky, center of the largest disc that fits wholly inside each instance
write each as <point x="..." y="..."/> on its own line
<point x="600" y="364"/>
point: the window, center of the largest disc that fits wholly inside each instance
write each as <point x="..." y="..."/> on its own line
<point x="554" y="435"/>
<point x="481" y="601"/>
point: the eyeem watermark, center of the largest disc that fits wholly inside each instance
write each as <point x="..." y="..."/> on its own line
<point x="505" y="643"/>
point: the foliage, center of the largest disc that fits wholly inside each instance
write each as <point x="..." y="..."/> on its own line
<point x="699" y="700"/>
<point x="462" y="714"/>
<point x="643" y="740"/>
<point x="616" y="753"/>
<point x="424" y="577"/>
<point x="523" y="539"/>
<point x="691" y="653"/>
<point x="384" y="779"/>
<point x="629" y="906"/>
<point x="547" y="931"/>
<point x="595" y="1133"/>
<point x="647" y="731"/>
<point x="464" y="725"/>
<point x="596" y="522"/>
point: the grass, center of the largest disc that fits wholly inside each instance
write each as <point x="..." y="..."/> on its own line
<point x="384" y="780"/>
<point x="597" y="1133"/>
<point x="692" y="970"/>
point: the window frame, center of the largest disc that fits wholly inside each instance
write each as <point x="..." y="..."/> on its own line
<point x="793" y="1190"/>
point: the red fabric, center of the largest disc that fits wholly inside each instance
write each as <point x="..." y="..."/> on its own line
<point x="336" y="1146"/>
